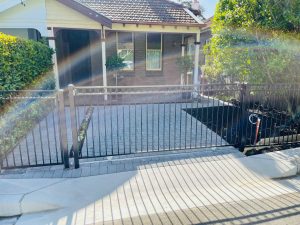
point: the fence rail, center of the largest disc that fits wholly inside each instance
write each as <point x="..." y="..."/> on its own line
<point x="94" y="121"/>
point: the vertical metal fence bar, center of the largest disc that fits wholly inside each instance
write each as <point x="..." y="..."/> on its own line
<point x="54" y="129"/>
<point x="175" y="123"/>
<point x="111" y="123"/>
<point x="118" y="142"/>
<point x="169" y="126"/>
<point x="99" y="124"/>
<point x="217" y="120"/>
<point x="85" y="108"/>
<point x="135" y="126"/>
<point x="158" y="128"/>
<point x="74" y="125"/>
<point x="21" y="157"/>
<point x="282" y="118"/>
<point x="129" y="127"/>
<point x="271" y="108"/>
<point x="48" y="141"/>
<point x="292" y="109"/>
<point x="242" y="115"/>
<point x="191" y="125"/>
<point x="93" y="136"/>
<point x="147" y="126"/>
<point x="185" y="124"/>
<point x="41" y="142"/>
<point x="164" y="126"/>
<point x="123" y="120"/>
<point x="27" y="150"/>
<point x="14" y="158"/>
<point x="34" y="146"/>
<point x="222" y="121"/>
<point x="197" y="120"/>
<point x="105" y="128"/>
<point x="141" y="126"/>
<point x="63" y="129"/>
<point x="212" y="116"/>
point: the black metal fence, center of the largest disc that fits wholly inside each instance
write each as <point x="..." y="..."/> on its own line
<point x="30" y="133"/>
<point x="91" y="122"/>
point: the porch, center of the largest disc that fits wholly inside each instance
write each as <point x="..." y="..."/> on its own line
<point x="150" y="57"/>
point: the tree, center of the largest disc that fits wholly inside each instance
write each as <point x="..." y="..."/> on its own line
<point x="114" y="64"/>
<point x="196" y="8"/>
<point x="185" y="65"/>
<point x="254" y="41"/>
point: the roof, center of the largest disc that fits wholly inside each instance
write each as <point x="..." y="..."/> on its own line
<point x="142" y="11"/>
<point x="207" y="24"/>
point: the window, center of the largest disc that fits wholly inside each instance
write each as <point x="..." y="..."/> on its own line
<point x="125" y="48"/>
<point x="154" y="52"/>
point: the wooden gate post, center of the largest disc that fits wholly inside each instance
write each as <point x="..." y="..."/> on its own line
<point x="63" y="129"/>
<point x="74" y="125"/>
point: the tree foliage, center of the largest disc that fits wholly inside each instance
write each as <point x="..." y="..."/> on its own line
<point x="22" y="61"/>
<point x="185" y="64"/>
<point x="254" y="41"/>
<point x="115" y="63"/>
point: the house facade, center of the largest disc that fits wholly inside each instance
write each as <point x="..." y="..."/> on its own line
<point x="150" y="35"/>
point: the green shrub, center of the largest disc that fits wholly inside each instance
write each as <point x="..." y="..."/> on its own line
<point x="24" y="64"/>
<point x="22" y="61"/>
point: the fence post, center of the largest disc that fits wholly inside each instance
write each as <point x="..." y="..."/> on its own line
<point x="243" y="113"/>
<point x="73" y="125"/>
<point x="63" y="129"/>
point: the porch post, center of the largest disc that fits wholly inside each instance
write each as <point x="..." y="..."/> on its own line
<point x="182" y="54"/>
<point x="103" y="44"/>
<point x="196" y="66"/>
<point x="51" y="38"/>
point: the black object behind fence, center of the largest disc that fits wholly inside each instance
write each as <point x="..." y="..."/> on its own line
<point x="128" y="120"/>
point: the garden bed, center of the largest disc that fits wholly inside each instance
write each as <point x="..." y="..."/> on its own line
<point x="233" y="125"/>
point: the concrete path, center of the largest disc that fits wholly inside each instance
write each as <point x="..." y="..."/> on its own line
<point x="116" y="164"/>
<point x="188" y="191"/>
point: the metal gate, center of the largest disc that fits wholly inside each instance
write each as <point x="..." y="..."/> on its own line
<point x="32" y="129"/>
<point x="48" y="127"/>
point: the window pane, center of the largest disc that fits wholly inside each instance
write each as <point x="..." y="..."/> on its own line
<point x="153" y="59"/>
<point x="154" y="41"/>
<point x="154" y="55"/>
<point x="125" y="49"/>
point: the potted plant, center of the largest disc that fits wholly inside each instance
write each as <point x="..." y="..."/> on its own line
<point x="114" y="65"/>
<point x="185" y="65"/>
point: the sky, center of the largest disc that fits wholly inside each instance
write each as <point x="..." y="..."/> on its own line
<point x="209" y="6"/>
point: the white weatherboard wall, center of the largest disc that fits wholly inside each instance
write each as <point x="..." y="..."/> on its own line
<point x="61" y="16"/>
<point x="32" y="15"/>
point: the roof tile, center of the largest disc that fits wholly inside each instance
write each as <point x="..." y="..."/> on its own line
<point x="141" y="11"/>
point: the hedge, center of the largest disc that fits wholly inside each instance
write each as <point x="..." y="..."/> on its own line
<point x="22" y="61"/>
<point x="24" y="64"/>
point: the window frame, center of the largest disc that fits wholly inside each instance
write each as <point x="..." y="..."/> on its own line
<point x="161" y="52"/>
<point x="133" y="49"/>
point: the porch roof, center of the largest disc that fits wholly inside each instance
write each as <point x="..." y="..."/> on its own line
<point x="143" y="11"/>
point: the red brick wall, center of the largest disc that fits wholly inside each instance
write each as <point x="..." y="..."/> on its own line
<point x="169" y="74"/>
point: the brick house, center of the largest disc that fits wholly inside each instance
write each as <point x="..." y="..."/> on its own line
<point x="149" y="34"/>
